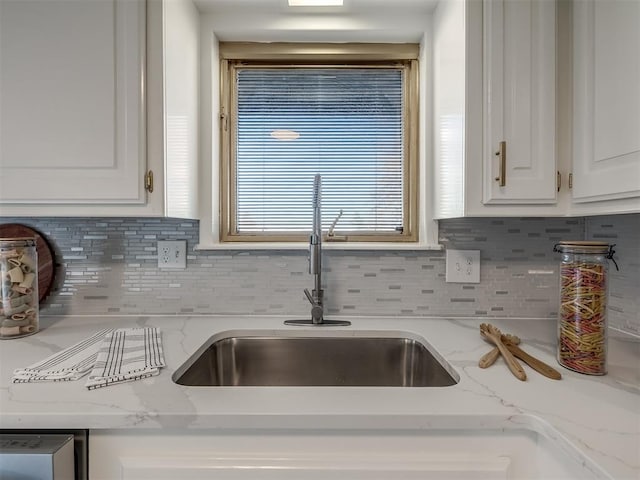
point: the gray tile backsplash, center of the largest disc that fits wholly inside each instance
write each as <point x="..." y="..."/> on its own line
<point x="110" y="266"/>
<point x="624" y="284"/>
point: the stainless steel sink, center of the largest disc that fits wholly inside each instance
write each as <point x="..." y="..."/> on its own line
<point x="349" y="359"/>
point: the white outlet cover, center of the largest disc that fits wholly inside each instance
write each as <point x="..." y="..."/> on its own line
<point x="172" y="254"/>
<point x="462" y="266"/>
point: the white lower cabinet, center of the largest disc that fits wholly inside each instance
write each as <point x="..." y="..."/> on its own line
<point x="315" y="455"/>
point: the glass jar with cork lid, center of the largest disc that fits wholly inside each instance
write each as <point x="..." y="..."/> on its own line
<point x="582" y="316"/>
<point x="19" y="288"/>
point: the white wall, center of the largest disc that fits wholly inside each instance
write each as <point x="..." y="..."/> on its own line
<point x="181" y="99"/>
<point x="407" y="25"/>
<point x="449" y="73"/>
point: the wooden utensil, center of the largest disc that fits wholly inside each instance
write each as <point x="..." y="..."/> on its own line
<point x="493" y="334"/>
<point x="538" y="365"/>
<point x="490" y="357"/>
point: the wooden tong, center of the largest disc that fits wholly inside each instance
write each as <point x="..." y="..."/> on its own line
<point x="494" y="335"/>
<point x="492" y="355"/>
<point x="510" y="344"/>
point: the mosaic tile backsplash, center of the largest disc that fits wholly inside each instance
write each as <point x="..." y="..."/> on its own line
<point x="109" y="266"/>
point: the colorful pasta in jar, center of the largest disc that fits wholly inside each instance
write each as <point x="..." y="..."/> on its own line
<point x="582" y="316"/>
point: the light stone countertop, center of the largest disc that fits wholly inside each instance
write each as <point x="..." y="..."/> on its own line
<point x="594" y="418"/>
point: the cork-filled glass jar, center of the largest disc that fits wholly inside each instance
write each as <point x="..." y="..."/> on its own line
<point x="582" y="315"/>
<point x="19" y="289"/>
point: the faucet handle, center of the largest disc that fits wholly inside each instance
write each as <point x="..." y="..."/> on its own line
<point x="309" y="297"/>
<point x="315" y="298"/>
<point x="331" y="235"/>
<point x="316" y="307"/>
<point x="333" y="225"/>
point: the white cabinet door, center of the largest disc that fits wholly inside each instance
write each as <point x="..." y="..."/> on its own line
<point x="246" y="454"/>
<point x="519" y="101"/>
<point x="459" y="466"/>
<point x="71" y="101"/>
<point x="129" y="455"/>
<point x="606" y="100"/>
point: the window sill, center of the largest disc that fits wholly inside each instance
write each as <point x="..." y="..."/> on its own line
<point x="325" y="245"/>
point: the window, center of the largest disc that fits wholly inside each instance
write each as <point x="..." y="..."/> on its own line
<point x="346" y="112"/>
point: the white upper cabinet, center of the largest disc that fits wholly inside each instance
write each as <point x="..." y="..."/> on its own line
<point x="72" y="119"/>
<point x="547" y="122"/>
<point x="495" y="108"/>
<point x="93" y="95"/>
<point x="519" y="149"/>
<point x="606" y="104"/>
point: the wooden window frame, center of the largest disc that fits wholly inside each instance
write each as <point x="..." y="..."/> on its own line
<point x="287" y="55"/>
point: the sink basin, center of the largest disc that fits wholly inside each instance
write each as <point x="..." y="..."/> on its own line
<point x="349" y="359"/>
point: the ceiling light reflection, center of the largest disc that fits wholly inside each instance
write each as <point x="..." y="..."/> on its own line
<point x="315" y="3"/>
<point x="285" y="135"/>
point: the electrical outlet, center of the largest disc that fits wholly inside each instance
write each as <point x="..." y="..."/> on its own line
<point x="463" y="266"/>
<point x="172" y="254"/>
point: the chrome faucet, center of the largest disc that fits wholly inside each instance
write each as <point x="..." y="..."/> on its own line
<point x="315" y="255"/>
<point x="316" y="296"/>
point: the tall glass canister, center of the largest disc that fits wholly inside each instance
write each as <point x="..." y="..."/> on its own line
<point x="19" y="293"/>
<point x="582" y="316"/>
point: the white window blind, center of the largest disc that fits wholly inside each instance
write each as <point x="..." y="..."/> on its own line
<point x="346" y="124"/>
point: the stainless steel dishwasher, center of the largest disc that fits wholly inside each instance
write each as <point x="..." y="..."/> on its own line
<point x="43" y="455"/>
